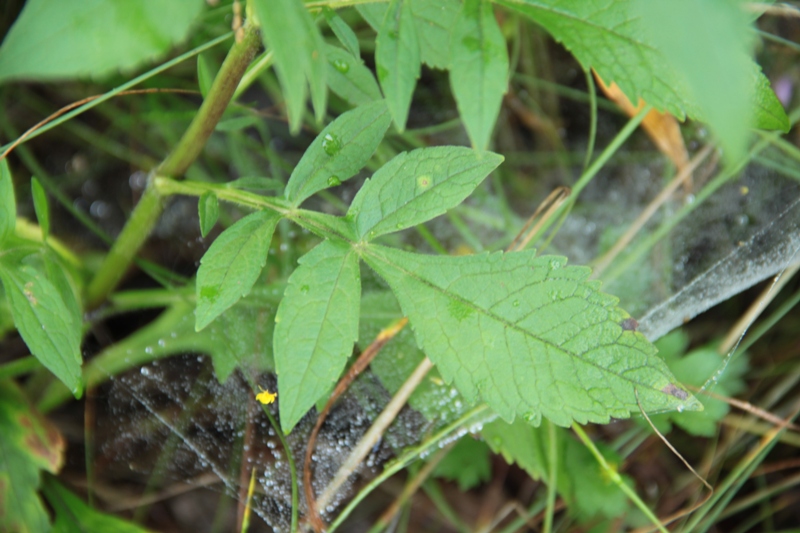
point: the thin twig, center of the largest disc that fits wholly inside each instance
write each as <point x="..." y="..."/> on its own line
<point x="548" y="206"/>
<point x="602" y="263"/>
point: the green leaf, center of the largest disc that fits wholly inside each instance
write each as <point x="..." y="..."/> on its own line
<point x="611" y="38"/>
<point x="398" y="359"/>
<point x="434" y="21"/>
<point x="205" y="76"/>
<point x="53" y="39"/>
<point x="315" y="328"/>
<point x="339" y="151"/>
<point x="73" y="515"/>
<point x="529" y="335"/>
<point x="288" y="29"/>
<point x="719" y="79"/>
<point x="695" y="368"/>
<point x="232" y="265"/>
<point x="40" y="206"/>
<point x="478" y="69"/>
<point x="397" y="58"/>
<point x="467" y="463"/>
<point x="349" y="78"/>
<point x="519" y="444"/>
<point x="417" y="186"/>
<point x="208" y="212"/>
<point x="342" y="31"/>
<point x="44" y="320"/>
<point x="769" y="112"/>
<point x="8" y="206"/>
<point x="28" y="444"/>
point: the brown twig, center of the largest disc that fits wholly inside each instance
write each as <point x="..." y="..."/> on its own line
<point x="359" y="366"/>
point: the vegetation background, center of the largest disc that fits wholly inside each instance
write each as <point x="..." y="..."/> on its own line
<point x="187" y="227"/>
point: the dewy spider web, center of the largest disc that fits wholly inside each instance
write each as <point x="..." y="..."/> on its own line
<point x="173" y="421"/>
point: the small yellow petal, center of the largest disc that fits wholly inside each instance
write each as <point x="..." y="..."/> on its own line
<point x="266" y="397"/>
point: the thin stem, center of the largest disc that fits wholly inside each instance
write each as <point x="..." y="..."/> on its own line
<point x="552" y="477"/>
<point x="19" y="367"/>
<point x="147" y="211"/>
<point x="615" y="478"/>
<point x="592" y="117"/>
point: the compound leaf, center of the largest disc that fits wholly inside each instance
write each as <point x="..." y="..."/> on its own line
<point x="232" y="265"/>
<point x="349" y="78"/>
<point x="289" y="31"/>
<point x="339" y="151"/>
<point x="478" y="69"/>
<point x="315" y="327"/>
<point x="417" y="186"/>
<point x="47" y="323"/>
<point x="342" y="31"/>
<point x="53" y="39"/>
<point x="529" y="335"/>
<point x="397" y="58"/>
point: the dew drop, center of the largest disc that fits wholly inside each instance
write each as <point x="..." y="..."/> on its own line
<point x="680" y="408"/>
<point x="334" y="181"/>
<point x="341" y="66"/>
<point x="555" y="264"/>
<point x="304" y="289"/>
<point x="399" y="225"/>
<point x="515" y="303"/>
<point x="529" y="417"/>
<point x="331" y="144"/>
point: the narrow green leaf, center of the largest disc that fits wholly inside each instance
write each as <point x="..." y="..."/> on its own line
<point x="73" y="515"/>
<point x="434" y="21"/>
<point x="373" y="14"/>
<point x="349" y="78"/>
<point x="232" y="265"/>
<point x="40" y="206"/>
<point x="315" y="328"/>
<point x="397" y="58"/>
<point x="417" y="186"/>
<point x="611" y="37"/>
<point x="205" y="76"/>
<point x="719" y="79"/>
<point x="44" y="320"/>
<point x="208" y="211"/>
<point x="339" y="151"/>
<point x="299" y="51"/>
<point x="478" y="69"/>
<point x="29" y="444"/>
<point x="342" y="31"/>
<point x="8" y="206"/>
<point x="529" y="335"/>
<point x="53" y="39"/>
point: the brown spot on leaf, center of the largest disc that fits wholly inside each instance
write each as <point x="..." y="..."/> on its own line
<point x="629" y="324"/>
<point x="677" y="392"/>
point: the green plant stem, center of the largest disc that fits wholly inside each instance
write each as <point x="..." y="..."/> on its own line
<point x="593" y="118"/>
<point x="19" y="367"/>
<point x="614" y="476"/>
<point x="552" y="477"/>
<point x="599" y="163"/>
<point x="146" y="213"/>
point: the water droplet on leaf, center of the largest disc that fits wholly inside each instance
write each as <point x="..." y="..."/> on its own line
<point x="304" y="289"/>
<point x="334" y="181"/>
<point x="341" y="66"/>
<point x="331" y="144"/>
